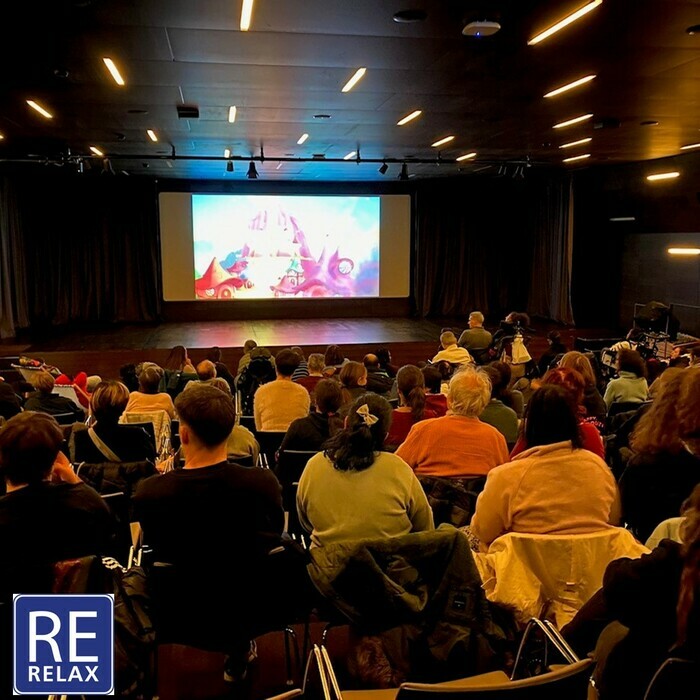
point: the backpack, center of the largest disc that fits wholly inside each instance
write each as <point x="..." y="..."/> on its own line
<point x="258" y="372"/>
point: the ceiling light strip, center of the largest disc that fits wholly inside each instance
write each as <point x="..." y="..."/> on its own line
<point x="689" y="146"/>
<point x="350" y="156"/>
<point x="565" y="22"/>
<point x="359" y="74"/>
<point x="570" y="86"/>
<point x="232" y="114"/>
<point x="575" y="120"/>
<point x="663" y="176"/>
<point x="571" y="144"/>
<point x="112" y="68"/>
<point x="573" y="159"/>
<point x="466" y="156"/>
<point x="302" y="139"/>
<point x="246" y="14"/>
<point x="40" y="109"/>
<point x="442" y="142"/>
<point x="96" y="151"/>
<point x="409" y="117"/>
<point x="684" y="251"/>
<point x="152" y="135"/>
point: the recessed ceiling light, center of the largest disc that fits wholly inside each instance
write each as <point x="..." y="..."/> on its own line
<point x="349" y="156"/>
<point x="112" y="68"/>
<point x="684" y="251"/>
<point x="232" y="114"/>
<point x="689" y="146"/>
<point x="246" y="14"/>
<point x="227" y="152"/>
<point x="96" y="151"/>
<point x="40" y="109"/>
<point x="358" y="75"/>
<point x="322" y="116"/>
<point x="152" y="135"/>
<point x="442" y="142"/>
<point x="575" y="120"/>
<point x="466" y="156"/>
<point x="570" y="86"/>
<point x="409" y="117"/>
<point x="663" y="176"/>
<point x="565" y="22"/>
<point x="571" y="144"/>
<point x="573" y="159"/>
<point x="622" y="218"/>
<point x="302" y="138"/>
<point x="409" y="16"/>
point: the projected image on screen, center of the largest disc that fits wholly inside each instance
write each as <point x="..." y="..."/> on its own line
<point x="261" y="247"/>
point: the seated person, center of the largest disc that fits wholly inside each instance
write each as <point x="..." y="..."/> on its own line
<point x="9" y="401"/>
<point x="353" y="380"/>
<point x="506" y="391"/>
<point x="303" y="369"/>
<point x="214" y="355"/>
<point x="451" y="352"/>
<point x="592" y="400"/>
<point x="458" y="444"/>
<point x="108" y="440"/>
<point x="354" y="490"/>
<point x="148" y="398"/>
<point x="45" y="401"/>
<point x="334" y="360"/>
<point x="655" y="602"/>
<point x="48" y="514"/>
<point x="553" y="488"/>
<point x="435" y="400"/>
<point x="496" y="413"/>
<point x="178" y="371"/>
<point x="245" y="359"/>
<point x="476" y="337"/>
<point x="509" y="325"/>
<point x="412" y="404"/>
<point x="385" y="362"/>
<point x="572" y="382"/>
<point x="378" y="379"/>
<point x="314" y="366"/>
<point x="196" y="517"/>
<point x="277" y="403"/>
<point x="631" y="384"/>
<point x="310" y="432"/>
<point x="555" y="349"/>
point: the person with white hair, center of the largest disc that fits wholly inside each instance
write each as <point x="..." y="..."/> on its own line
<point x="476" y="337"/>
<point x="457" y="445"/>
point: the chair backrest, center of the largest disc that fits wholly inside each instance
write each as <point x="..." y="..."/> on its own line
<point x="159" y="422"/>
<point x="270" y="441"/>
<point x="453" y="501"/>
<point x="623" y="407"/>
<point x="120" y="509"/>
<point x="569" y="682"/>
<point x="67" y="392"/>
<point x="673" y="674"/>
<point x="64" y="418"/>
<point x="528" y="572"/>
<point x="291" y="464"/>
<point x="248" y="422"/>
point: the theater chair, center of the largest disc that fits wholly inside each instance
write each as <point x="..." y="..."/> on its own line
<point x="269" y="441"/>
<point x="290" y="465"/>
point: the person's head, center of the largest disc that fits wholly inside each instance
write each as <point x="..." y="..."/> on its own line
<point x="221" y="384"/>
<point x="29" y="444"/>
<point x="214" y="354"/>
<point x="149" y="379"/>
<point x="469" y="392"/>
<point x="371" y="361"/>
<point x="448" y="338"/>
<point x="334" y="356"/>
<point x="286" y="361"/>
<point x="569" y="379"/>
<point x="92" y="381"/>
<point x="108" y="401"/>
<point x="299" y="353"/>
<point x="129" y="377"/>
<point x="476" y="319"/>
<point x="366" y="427"/>
<point x="328" y="396"/>
<point x="631" y="361"/>
<point x="207" y="416"/>
<point x="554" y="338"/>
<point x="43" y="382"/>
<point x="689" y="409"/>
<point x="316" y="363"/>
<point x="411" y="386"/>
<point x="446" y="370"/>
<point x="384" y="357"/>
<point x="432" y="379"/>
<point x="249" y="345"/>
<point x="206" y="369"/>
<point x="578" y="361"/>
<point x="353" y="375"/>
<point x="688" y="606"/>
<point x="658" y="430"/>
<point x="177" y="358"/>
<point x="551" y="417"/>
<point x="495" y="378"/>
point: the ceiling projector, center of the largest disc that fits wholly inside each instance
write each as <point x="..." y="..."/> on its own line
<point x="481" y="28"/>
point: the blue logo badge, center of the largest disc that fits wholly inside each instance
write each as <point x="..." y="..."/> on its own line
<point x="64" y="644"/>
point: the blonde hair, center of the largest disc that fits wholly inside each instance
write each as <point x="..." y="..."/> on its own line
<point x="469" y="391"/>
<point x="43" y="382"/>
<point x="108" y="401"/>
<point x="578" y="361"/>
<point x="448" y="338"/>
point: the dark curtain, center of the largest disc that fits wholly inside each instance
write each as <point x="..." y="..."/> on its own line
<point x="89" y="248"/>
<point x="481" y="244"/>
<point x="13" y="288"/>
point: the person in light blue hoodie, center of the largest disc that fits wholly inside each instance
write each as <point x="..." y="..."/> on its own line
<point x="631" y="384"/>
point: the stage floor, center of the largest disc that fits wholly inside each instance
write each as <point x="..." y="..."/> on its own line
<point x="232" y="334"/>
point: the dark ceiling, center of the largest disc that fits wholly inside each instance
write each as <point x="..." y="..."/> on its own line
<point x="298" y="54"/>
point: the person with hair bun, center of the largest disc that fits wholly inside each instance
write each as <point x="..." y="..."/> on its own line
<point x="353" y="379"/>
<point x="356" y="491"/>
<point x="412" y="404"/>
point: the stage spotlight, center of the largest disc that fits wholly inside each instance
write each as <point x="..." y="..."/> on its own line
<point x="383" y="168"/>
<point x="229" y="166"/>
<point x="252" y="172"/>
<point x="404" y="172"/>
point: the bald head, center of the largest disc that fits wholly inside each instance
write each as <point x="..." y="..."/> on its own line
<point x="469" y="392"/>
<point x="206" y="370"/>
<point x="371" y="361"/>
